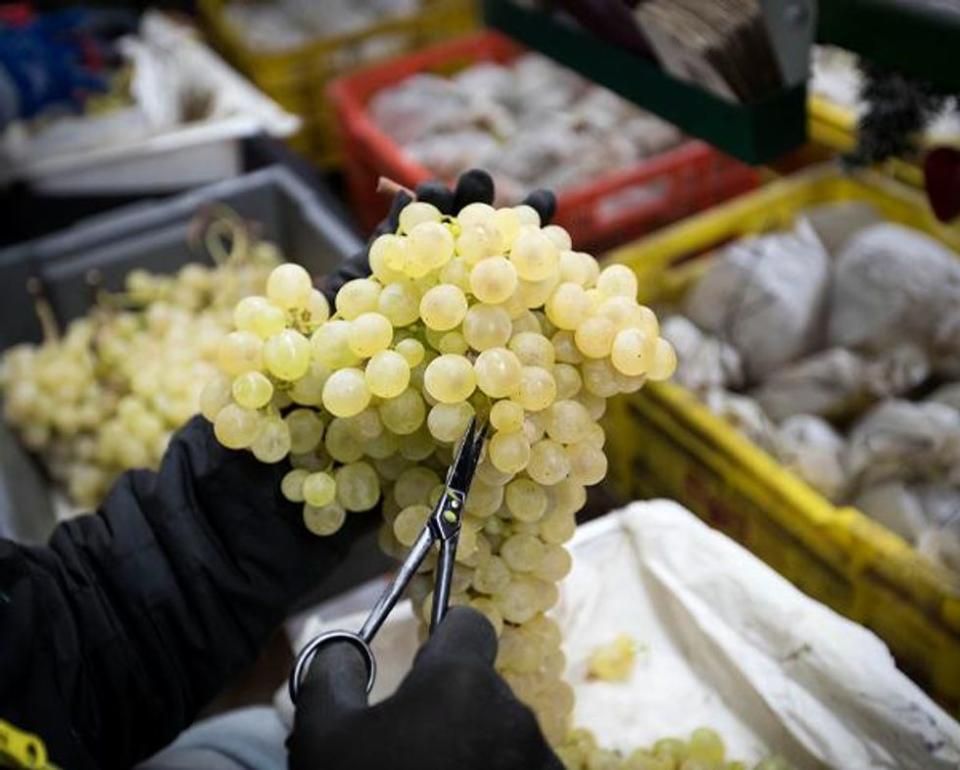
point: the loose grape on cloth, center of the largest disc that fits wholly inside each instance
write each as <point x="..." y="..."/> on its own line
<point x="724" y="641"/>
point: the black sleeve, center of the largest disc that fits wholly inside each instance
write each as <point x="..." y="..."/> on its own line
<point x="114" y="636"/>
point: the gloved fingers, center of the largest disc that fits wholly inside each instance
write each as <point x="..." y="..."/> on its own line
<point x="436" y="193"/>
<point x="545" y="204"/>
<point x="474" y="186"/>
<point x="392" y="220"/>
<point x="335" y="685"/>
<point x="463" y="635"/>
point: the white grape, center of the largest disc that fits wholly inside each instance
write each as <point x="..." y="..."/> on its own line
<point x="345" y="393"/>
<point x="449" y="379"/>
<point x="289" y="286"/>
<point x="369" y="334"/>
<point x="387" y="374"/>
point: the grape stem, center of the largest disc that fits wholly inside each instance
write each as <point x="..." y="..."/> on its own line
<point x="390" y="187"/>
<point x="41" y="306"/>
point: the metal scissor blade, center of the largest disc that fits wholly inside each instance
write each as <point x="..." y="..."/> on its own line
<point x="464" y="466"/>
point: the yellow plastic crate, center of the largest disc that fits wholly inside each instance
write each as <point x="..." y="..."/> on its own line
<point x="667" y="443"/>
<point x="297" y="79"/>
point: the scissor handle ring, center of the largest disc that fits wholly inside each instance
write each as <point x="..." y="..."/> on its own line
<point x="307" y="654"/>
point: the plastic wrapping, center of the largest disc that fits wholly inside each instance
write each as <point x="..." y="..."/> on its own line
<point x="891" y="284"/>
<point x="811" y="448"/>
<point x="765" y="296"/>
<point x="900" y="440"/>
<point x="725" y="641"/>
<point x="837" y="382"/>
<point x="531" y="124"/>
<point x="703" y="362"/>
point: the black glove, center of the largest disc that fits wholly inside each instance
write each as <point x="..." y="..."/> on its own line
<point x="474" y="186"/>
<point x="452" y="712"/>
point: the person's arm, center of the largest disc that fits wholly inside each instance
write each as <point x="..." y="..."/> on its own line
<point x="114" y="636"/>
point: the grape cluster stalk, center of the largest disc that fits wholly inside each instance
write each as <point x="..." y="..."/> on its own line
<point x="487" y="314"/>
<point x="107" y="394"/>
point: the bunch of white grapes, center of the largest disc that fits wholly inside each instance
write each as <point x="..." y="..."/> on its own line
<point x="107" y="395"/>
<point x="484" y="314"/>
<point x="703" y="750"/>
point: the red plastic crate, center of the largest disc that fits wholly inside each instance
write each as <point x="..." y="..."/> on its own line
<point x="612" y="210"/>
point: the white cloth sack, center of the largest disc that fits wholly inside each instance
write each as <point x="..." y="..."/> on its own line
<point x="727" y="642"/>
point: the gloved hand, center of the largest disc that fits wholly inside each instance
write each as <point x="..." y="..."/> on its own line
<point x="452" y="712"/>
<point x="474" y="186"/>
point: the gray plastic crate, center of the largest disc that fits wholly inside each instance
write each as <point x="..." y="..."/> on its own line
<point x="153" y="236"/>
<point x="150" y="236"/>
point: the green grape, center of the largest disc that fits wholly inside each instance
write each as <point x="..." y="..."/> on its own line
<point x="705" y="744"/>
<point x="409" y="524"/>
<point x="526" y="500"/>
<point x="289" y="286"/>
<point x="507" y="222"/>
<point x="272" y="443"/>
<point x="509" y="452"/>
<point x="256" y="314"/>
<point x="557" y="527"/>
<point x="443" y="307"/>
<point x="240" y="352"/>
<point x="594" y="337"/>
<point x="448" y="422"/>
<point x="319" y="489"/>
<point x="341" y="443"/>
<point x="506" y="416"/>
<point x="587" y="464"/>
<point x="215" y="395"/>
<point x="292" y="485"/>
<point x="486" y="326"/>
<point x="419" y="445"/>
<point x="325" y="520"/>
<point x="555" y="564"/>
<point x="664" y="361"/>
<point x="356" y="297"/>
<point x="308" y="390"/>
<point x="493" y="280"/>
<point x="236" y="427"/>
<point x="416" y="212"/>
<point x="565" y="348"/>
<point x="522" y="552"/>
<point x="568" y="306"/>
<point x="534" y="256"/>
<point x="412" y="350"/>
<point x="369" y="334"/>
<point x="287" y="355"/>
<point x="558" y="236"/>
<point x="537" y="389"/>
<point x="385" y="251"/>
<point x="618" y="280"/>
<point x="405" y="413"/>
<point x="484" y="499"/>
<point x="317" y="311"/>
<point x="399" y="302"/>
<point x="387" y="374"/>
<point x="518" y="601"/>
<point x="533" y="349"/>
<point x="331" y="345"/>
<point x="498" y="372"/>
<point x="358" y="487"/>
<point x="345" y="393"/>
<point x="449" y="379"/>
<point x="413" y="486"/>
<point x="306" y="430"/>
<point x="252" y="390"/>
<point x="431" y="246"/>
